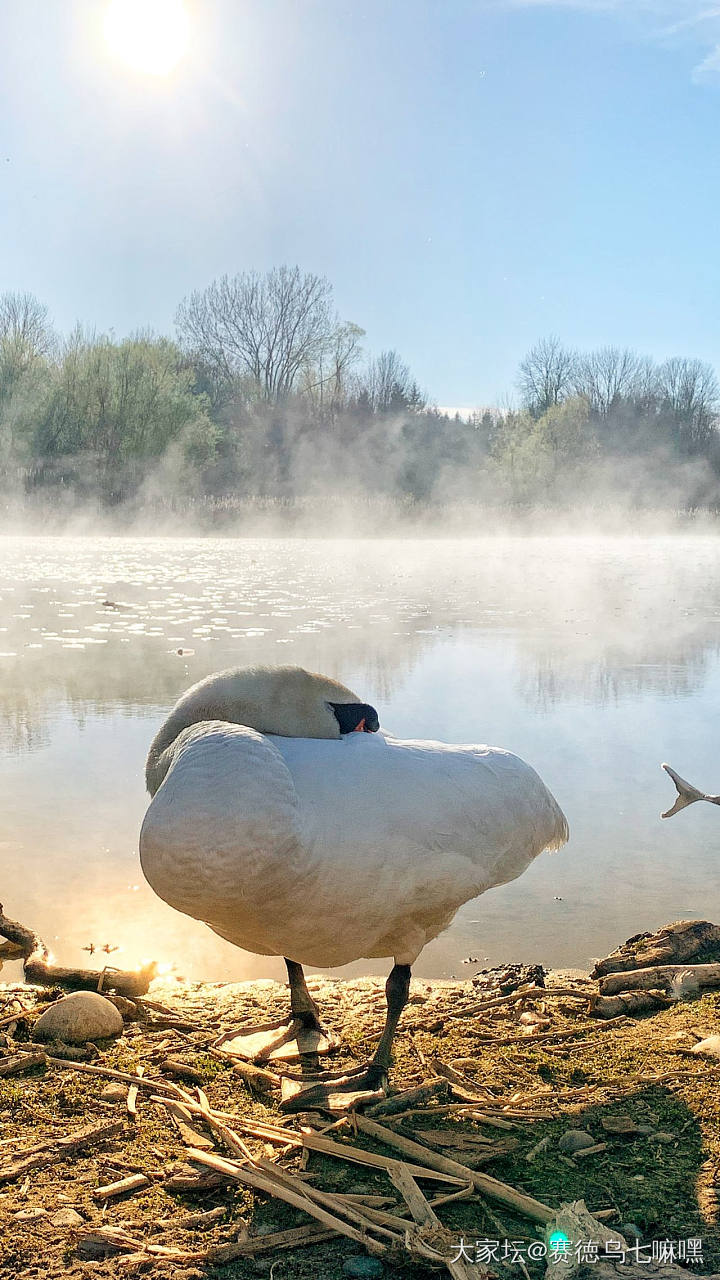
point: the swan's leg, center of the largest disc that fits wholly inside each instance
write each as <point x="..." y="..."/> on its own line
<point x="291" y="1038"/>
<point x="302" y="1004"/>
<point x="335" y="1092"/>
<point x="397" y="990"/>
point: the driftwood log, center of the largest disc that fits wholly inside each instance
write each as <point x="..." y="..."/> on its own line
<point x="39" y="969"/>
<point x="673" y="944"/>
<point x="676" y="979"/>
<point x="629" y="1003"/>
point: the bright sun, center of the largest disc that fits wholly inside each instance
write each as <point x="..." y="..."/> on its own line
<point x="150" y="35"/>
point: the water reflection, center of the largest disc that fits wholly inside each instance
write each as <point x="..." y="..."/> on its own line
<point x="593" y="657"/>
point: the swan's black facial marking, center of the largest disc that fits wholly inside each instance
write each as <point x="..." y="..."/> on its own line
<point x="354" y="717"/>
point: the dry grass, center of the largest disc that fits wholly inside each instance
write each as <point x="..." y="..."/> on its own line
<point x="661" y="1179"/>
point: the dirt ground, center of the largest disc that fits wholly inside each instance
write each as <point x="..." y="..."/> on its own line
<point x="540" y="1064"/>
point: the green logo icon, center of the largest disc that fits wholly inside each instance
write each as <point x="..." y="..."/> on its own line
<point x="559" y="1242"/>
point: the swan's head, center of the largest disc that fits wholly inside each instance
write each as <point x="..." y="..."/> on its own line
<point x="355" y="717"/>
<point x="287" y="701"/>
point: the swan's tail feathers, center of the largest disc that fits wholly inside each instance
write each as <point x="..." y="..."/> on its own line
<point x="562" y="834"/>
<point x="686" y="793"/>
<point x="560" y="831"/>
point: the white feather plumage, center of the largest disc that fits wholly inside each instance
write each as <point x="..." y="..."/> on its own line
<point x="333" y="850"/>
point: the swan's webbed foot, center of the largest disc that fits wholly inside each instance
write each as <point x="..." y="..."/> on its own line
<point x="294" y="1039"/>
<point x="330" y="1092"/>
<point x="289" y="1040"/>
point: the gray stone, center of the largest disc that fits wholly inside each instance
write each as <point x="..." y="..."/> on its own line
<point x="575" y="1140"/>
<point x="361" y="1267"/>
<point x="66" y="1218"/>
<point x="82" y="1016"/>
<point x="619" y="1124"/>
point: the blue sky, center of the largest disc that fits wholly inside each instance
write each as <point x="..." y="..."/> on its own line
<point x="469" y="174"/>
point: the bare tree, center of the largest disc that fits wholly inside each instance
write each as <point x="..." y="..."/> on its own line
<point x="387" y="384"/>
<point x="24" y="319"/>
<point x="325" y="384"/>
<point x="264" y="327"/>
<point x="25" y="336"/>
<point x="645" y="391"/>
<point x="608" y="375"/>
<point x="547" y="374"/>
<point x="689" y="390"/>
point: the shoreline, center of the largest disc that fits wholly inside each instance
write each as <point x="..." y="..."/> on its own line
<point x="500" y="1085"/>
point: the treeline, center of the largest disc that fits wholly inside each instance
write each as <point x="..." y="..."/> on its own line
<point x="265" y="393"/>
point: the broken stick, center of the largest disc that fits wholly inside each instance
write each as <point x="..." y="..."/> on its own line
<point x="492" y="1188"/>
<point x="55" y="1149"/>
<point x="135" y="1182"/>
<point x="271" y="1187"/>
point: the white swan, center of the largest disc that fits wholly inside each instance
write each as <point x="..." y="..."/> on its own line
<point x="329" y="849"/>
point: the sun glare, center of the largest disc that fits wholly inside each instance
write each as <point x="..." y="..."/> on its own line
<point x="149" y="35"/>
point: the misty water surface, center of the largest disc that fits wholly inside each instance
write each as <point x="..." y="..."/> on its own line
<point x="594" y="659"/>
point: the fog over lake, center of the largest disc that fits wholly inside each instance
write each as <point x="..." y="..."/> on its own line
<point x="593" y="658"/>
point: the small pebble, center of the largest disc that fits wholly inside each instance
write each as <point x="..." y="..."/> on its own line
<point x="114" y="1093"/>
<point x="361" y="1267"/>
<point x="662" y="1136"/>
<point x="29" y="1215"/>
<point x="575" y="1140"/>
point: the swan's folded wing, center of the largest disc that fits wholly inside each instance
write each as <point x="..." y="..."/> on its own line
<point x="223" y="827"/>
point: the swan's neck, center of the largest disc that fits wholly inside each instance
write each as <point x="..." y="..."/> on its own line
<point x="286" y="701"/>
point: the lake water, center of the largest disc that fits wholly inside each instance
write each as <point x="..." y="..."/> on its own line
<point x="595" y="659"/>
